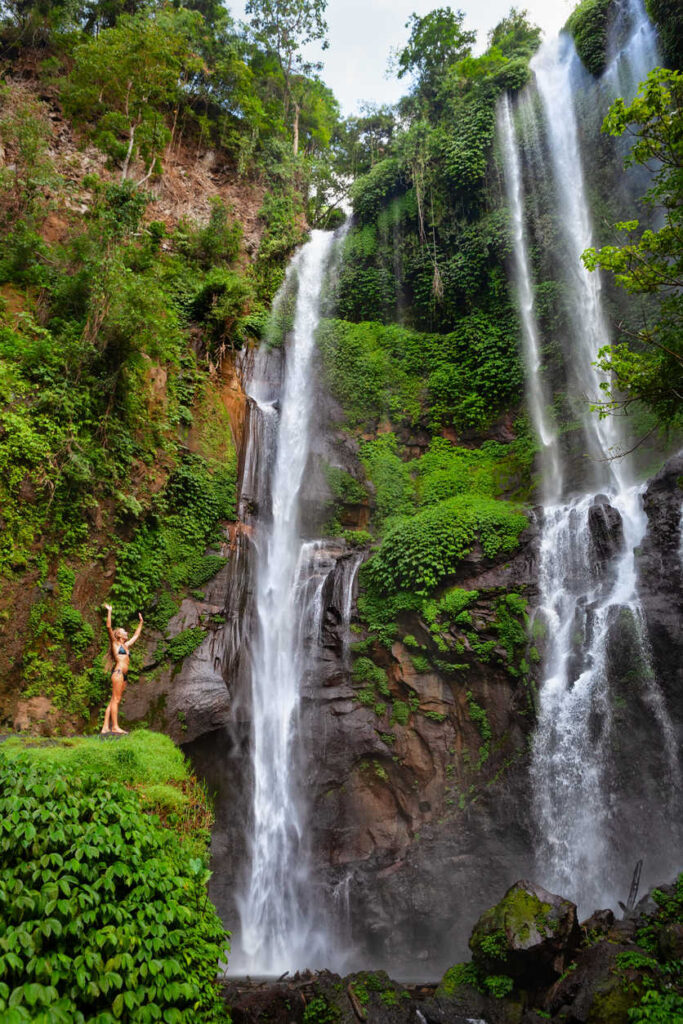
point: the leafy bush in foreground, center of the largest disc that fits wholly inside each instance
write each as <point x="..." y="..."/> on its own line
<point x="103" y="916"/>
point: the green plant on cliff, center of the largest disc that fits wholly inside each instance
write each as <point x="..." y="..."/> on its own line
<point x="320" y="1011"/>
<point x="125" y="79"/>
<point x="588" y="24"/>
<point x="122" y="930"/>
<point x="649" y="367"/>
<point x="420" y="551"/>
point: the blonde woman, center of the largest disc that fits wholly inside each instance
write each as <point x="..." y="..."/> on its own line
<point x="120" y="647"/>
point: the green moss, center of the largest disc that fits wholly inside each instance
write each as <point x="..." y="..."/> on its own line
<point x="344" y="487"/>
<point x="420" y="663"/>
<point x="147" y="760"/>
<point x="320" y="1011"/>
<point x="611" y="1005"/>
<point x="517" y="914"/>
<point x="365" y="671"/>
<point x="435" y="716"/>
<point x="456" y="977"/>
<point x="182" y="645"/>
<point x="498" y="985"/>
<point x="400" y="712"/>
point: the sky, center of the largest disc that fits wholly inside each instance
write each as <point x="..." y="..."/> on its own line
<point x="363" y="33"/>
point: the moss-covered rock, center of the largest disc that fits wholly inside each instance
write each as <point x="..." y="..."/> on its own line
<point x="529" y="936"/>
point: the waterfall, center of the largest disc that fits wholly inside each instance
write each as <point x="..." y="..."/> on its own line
<point x="589" y="607"/>
<point x="536" y="394"/>
<point x="282" y="920"/>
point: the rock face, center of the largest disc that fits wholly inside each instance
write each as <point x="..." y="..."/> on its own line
<point x="530" y="935"/>
<point x="194" y="699"/>
<point x="659" y="564"/>
<point x="606" y="530"/>
<point x="403" y="811"/>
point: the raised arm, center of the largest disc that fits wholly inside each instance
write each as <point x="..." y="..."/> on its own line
<point x="137" y="632"/>
<point x="109" y="629"/>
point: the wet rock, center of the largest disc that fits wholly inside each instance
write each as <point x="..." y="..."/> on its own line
<point x="599" y="923"/>
<point x="530" y="935"/>
<point x="606" y="531"/>
<point x="594" y="989"/>
<point x="659" y="564"/>
<point x="670" y="941"/>
<point x="321" y="997"/>
<point x="39" y="717"/>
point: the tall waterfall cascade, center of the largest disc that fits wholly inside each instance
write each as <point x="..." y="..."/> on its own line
<point x="593" y="520"/>
<point x="281" y="927"/>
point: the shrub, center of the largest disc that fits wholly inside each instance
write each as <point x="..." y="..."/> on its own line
<point x="103" y="916"/>
<point x="588" y="24"/>
<point x="370" y="192"/>
<point x="419" y="552"/>
<point x="394" y="488"/>
<point x="215" y="242"/>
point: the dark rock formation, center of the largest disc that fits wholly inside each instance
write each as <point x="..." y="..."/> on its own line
<point x="606" y="530"/>
<point x="593" y="991"/>
<point x="659" y="564"/>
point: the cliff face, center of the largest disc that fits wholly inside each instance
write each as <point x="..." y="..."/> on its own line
<point x="416" y="826"/>
<point x="103" y="429"/>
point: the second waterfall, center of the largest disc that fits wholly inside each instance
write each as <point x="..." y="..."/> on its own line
<point x="598" y="678"/>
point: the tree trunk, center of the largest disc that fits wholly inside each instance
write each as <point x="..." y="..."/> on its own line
<point x="126" y="162"/>
<point x="296" y="128"/>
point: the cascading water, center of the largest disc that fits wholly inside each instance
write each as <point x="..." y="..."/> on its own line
<point x="588" y="588"/>
<point x="281" y="921"/>
<point x="275" y="925"/>
<point x="536" y="395"/>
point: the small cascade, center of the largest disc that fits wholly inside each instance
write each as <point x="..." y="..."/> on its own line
<point x="593" y="519"/>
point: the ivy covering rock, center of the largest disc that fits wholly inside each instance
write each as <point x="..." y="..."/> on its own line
<point x="104" y="913"/>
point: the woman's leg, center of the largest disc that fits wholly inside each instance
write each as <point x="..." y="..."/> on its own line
<point x="107" y="717"/>
<point x="118" y="686"/>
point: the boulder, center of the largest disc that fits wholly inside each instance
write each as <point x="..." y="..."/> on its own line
<point x="529" y="936"/>
<point x="594" y="990"/>
<point x="598" y="924"/>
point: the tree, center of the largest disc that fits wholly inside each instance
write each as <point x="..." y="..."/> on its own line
<point x="651" y="262"/>
<point x="285" y="26"/>
<point x="436" y="42"/>
<point x="362" y="141"/>
<point x="515" y="35"/>
<point x="127" y="79"/>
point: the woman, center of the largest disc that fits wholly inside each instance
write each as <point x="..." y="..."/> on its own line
<point x="120" y="654"/>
